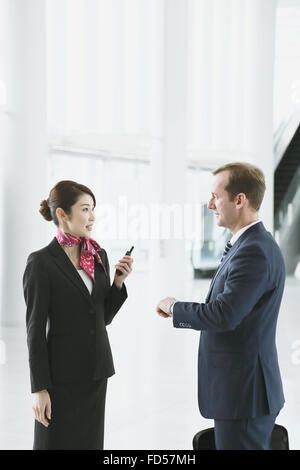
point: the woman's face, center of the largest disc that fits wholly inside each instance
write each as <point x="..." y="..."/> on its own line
<point x="79" y="223"/>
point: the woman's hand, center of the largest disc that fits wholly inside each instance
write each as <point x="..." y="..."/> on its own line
<point x="41" y="404"/>
<point x="124" y="266"/>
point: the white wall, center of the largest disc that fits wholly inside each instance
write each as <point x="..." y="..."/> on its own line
<point x="23" y="145"/>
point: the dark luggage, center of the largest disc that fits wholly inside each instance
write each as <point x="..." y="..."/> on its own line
<point x="205" y="440"/>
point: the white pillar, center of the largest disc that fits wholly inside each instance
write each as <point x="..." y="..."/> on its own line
<point x="24" y="144"/>
<point x="260" y="80"/>
<point x="168" y="165"/>
<point x="168" y="258"/>
<point x="232" y="46"/>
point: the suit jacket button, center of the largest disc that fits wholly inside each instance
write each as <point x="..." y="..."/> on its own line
<point x="92" y="332"/>
<point x="92" y="311"/>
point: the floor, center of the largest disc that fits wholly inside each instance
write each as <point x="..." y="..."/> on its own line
<point x="152" y="399"/>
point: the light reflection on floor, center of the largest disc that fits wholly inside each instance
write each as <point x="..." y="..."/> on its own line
<point x="152" y="399"/>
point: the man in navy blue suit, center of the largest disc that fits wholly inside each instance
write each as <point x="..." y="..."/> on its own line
<point x="239" y="383"/>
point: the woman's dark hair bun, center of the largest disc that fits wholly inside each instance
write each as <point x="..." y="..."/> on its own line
<point x="45" y="210"/>
<point x="63" y="195"/>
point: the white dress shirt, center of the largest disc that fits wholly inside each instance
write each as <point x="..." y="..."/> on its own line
<point x="86" y="279"/>
<point x="242" y="230"/>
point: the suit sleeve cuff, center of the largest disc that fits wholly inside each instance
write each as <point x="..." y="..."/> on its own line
<point x="122" y="292"/>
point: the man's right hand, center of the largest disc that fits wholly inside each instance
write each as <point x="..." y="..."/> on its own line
<point x="41" y="404"/>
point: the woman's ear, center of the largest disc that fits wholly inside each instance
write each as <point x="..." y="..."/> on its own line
<point x="60" y="214"/>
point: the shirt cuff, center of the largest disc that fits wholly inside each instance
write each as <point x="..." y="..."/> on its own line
<point x="171" y="309"/>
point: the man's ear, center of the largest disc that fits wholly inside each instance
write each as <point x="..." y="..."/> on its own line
<point x="241" y="200"/>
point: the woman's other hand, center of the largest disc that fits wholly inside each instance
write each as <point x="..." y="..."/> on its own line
<point x="42" y="406"/>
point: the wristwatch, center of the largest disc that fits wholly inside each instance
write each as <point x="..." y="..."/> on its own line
<point x="170" y="306"/>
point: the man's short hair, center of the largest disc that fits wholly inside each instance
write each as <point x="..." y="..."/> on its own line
<point x="245" y="178"/>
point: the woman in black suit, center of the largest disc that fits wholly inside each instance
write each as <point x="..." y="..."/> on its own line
<point x="69" y="302"/>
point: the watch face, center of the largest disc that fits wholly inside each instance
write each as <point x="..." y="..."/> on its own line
<point x="169" y="307"/>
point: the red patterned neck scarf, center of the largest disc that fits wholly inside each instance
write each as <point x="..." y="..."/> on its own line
<point x="88" y="249"/>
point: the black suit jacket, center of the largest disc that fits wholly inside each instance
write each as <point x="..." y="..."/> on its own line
<point x="66" y="325"/>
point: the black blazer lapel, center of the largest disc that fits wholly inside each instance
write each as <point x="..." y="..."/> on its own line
<point x="98" y="270"/>
<point x="66" y="265"/>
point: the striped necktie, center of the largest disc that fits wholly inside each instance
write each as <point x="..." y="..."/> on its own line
<point x="226" y="249"/>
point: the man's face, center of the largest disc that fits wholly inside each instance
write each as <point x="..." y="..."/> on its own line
<point x="224" y="209"/>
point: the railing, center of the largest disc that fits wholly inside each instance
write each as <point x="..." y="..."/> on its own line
<point x="290" y="203"/>
<point x="284" y="135"/>
<point x="288" y="208"/>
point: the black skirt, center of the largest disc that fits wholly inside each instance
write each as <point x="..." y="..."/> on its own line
<point x="77" y="418"/>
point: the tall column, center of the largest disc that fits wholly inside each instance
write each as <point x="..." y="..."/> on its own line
<point x="167" y="273"/>
<point x="24" y="146"/>
<point x="168" y="163"/>
<point x="261" y="77"/>
<point x="232" y="46"/>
